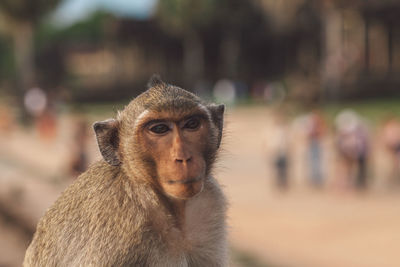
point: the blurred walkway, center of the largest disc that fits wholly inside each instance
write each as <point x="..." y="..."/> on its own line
<point x="26" y="191"/>
<point x="300" y="227"/>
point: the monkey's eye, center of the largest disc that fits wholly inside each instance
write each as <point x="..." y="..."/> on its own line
<point x="192" y="124"/>
<point x="159" y="128"/>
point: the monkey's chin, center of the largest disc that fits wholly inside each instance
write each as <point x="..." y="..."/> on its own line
<point x="183" y="189"/>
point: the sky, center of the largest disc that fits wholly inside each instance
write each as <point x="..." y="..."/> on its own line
<point x="71" y="11"/>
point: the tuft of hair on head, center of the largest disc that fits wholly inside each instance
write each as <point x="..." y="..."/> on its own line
<point x="155" y="81"/>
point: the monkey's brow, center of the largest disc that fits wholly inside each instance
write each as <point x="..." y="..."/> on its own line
<point x="195" y="115"/>
<point x="175" y="119"/>
<point x="153" y="121"/>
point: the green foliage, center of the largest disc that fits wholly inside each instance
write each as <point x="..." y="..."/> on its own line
<point x="241" y="258"/>
<point x="7" y="66"/>
<point x="27" y="10"/>
<point x="375" y="110"/>
<point x="90" y="30"/>
<point x="178" y="16"/>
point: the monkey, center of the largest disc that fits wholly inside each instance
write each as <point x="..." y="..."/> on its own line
<point x="152" y="199"/>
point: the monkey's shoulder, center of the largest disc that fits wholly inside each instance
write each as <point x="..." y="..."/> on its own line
<point x="100" y="189"/>
<point x="88" y="219"/>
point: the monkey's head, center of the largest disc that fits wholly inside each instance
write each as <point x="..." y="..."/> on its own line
<point x="166" y="136"/>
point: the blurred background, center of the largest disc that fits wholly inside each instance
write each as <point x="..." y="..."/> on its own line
<point x="311" y="154"/>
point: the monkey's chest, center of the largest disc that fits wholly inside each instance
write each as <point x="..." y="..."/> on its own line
<point x="202" y="232"/>
<point x="193" y="233"/>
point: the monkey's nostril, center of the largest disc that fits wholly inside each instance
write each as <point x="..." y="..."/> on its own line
<point x="184" y="160"/>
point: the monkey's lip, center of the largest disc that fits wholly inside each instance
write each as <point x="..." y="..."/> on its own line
<point x="184" y="181"/>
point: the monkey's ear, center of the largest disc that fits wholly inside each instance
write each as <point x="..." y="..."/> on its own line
<point x="155" y="80"/>
<point x="217" y="113"/>
<point x="108" y="140"/>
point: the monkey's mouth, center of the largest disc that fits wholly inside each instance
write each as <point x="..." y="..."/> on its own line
<point x="183" y="187"/>
<point x="184" y="181"/>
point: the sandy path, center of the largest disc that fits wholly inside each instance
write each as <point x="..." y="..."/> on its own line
<point x="301" y="227"/>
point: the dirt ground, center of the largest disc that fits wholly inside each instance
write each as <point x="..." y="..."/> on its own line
<point x="302" y="227"/>
<point x="295" y="228"/>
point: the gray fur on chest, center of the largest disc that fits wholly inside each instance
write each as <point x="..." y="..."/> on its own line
<point x="202" y="241"/>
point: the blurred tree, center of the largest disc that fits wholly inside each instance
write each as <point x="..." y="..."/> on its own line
<point x="187" y="18"/>
<point x="238" y="30"/>
<point x="6" y="60"/>
<point x="239" y="21"/>
<point x="22" y="19"/>
<point x="53" y="45"/>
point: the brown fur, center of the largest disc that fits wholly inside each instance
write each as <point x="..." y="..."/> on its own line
<point x="118" y="213"/>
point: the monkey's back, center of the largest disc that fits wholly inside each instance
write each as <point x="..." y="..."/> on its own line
<point x="98" y="213"/>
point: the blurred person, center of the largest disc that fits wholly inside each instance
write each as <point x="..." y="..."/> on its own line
<point x="278" y="147"/>
<point x="257" y="90"/>
<point x="35" y="101"/>
<point x="315" y="131"/>
<point x="390" y="137"/>
<point x="352" y="147"/>
<point x="46" y="123"/>
<point x="7" y="121"/>
<point x="79" y="156"/>
<point x="274" y="93"/>
<point x="225" y="91"/>
<point x="42" y="110"/>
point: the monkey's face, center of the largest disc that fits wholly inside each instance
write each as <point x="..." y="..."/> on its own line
<point x="166" y="134"/>
<point x="176" y="146"/>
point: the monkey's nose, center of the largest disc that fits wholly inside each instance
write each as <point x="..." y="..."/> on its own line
<point x="183" y="160"/>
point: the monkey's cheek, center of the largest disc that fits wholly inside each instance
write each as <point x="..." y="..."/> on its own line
<point x="183" y="191"/>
